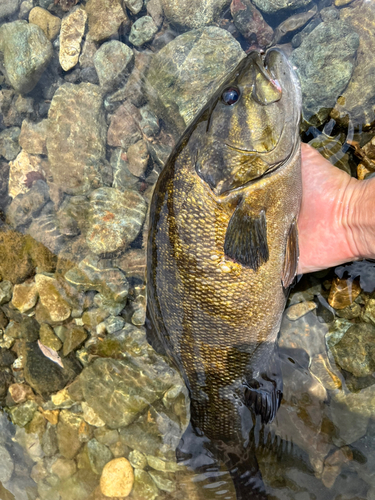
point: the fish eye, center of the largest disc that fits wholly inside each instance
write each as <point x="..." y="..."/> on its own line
<point x="230" y="96"/>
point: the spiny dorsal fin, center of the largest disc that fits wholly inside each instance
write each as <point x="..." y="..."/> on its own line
<point x="246" y="238"/>
<point x="291" y="256"/>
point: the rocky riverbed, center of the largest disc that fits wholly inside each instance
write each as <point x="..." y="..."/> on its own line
<point x="94" y="95"/>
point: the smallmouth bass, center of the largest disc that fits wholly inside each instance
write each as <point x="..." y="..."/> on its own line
<point x="222" y="252"/>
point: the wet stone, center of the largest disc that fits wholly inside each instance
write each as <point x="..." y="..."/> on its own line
<point x="74" y="337"/>
<point x="67" y="434"/>
<point x="142" y="31"/>
<point x="117" y="478"/>
<point x="63" y="468"/>
<point x="250" y="23"/>
<point x="294" y="23"/>
<point x="49" y="23"/>
<point x="33" y="137"/>
<point x="343" y="293"/>
<point x="165" y="482"/>
<point x="133" y="262"/>
<point x="350" y="312"/>
<point x="5" y="291"/>
<point x="195" y="14"/>
<point x="138" y="157"/>
<point x="24" y="296"/>
<point x="27" y="329"/>
<point x="106" y="436"/>
<point x="48" y="337"/>
<point x="137" y="459"/>
<point x="355" y="352"/>
<point x="123" y="130"/>
<point x="135" y="6"/>
<point x="149" y="124"/>
<point x="115" y="219"/>
<point x="25" y="207"/>
<point x="72" y="30"/>
<point x="27" y="52"/>
<point x="20" y="392"/>
<point x="23" y="413"/>
<point x="98" y="455"/>
<point x="7" y="9"/>
<point x="275" y="6"/>
<point x="296" y="311"/>
<point x="297" y="39"/>
<point x="325" y="69"/>
<point x="155" y="10"/>
<point x="23" y="170"/>
<point x="187" y="71"/>
<point x="6" y="462"/>
<point x="122" y="177"/>
<point x="112" y="63"/>
<point x="74" y="116"/>
<point x="91" y="417"/>
<point x="9" y="143"/>
<point x="105" y="17"/>
<point x="45" y="230"/>
<point x="144" y="487"/>
<point x="51" y="298"/>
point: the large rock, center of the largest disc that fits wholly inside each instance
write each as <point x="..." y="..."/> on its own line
<point x="72" y="30"/>
<point x="8" y="8"/>
<point x="76" y="136"/>
<point x="23" y="171"/>
<point x="112" y="63"/>
<point x="27" y="52"/>
<point x="105" y="18"/>
<point x="358" y="100"/>
<point x="50" y="24"/>
<point x="275" y="6"/>
<point x="194" y="13"/>
<point x="115" y="219"/>
<point x="25" y="207"/>
<point x="187" y="71"/>
<point x="325" y="61"/>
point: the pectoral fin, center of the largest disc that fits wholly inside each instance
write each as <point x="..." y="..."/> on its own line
<point x="246" y="238"/>
<point x="291" y="256"/>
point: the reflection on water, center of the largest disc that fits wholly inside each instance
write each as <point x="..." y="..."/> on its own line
<point x="93" y="96"/>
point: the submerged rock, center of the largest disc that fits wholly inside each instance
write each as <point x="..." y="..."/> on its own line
<point x="25" y="207"/>
<point x="76" y="136"/>
<point x="46" y="21"/>
<point x="193" y="14"/>
<point x="112" y="63"/>
<point x="51" y="297"/>
<point x="33" y="137"/>
<point x="184" y="74"/>
<point x="142" y="31"/>
<point x="27" y="52"/>
<point x="72" y="30"/>
<point x="123" y="129"/>
<point x="23" y="171"/>
<point x="250" y="23"/>
<point x="8" y="8"/>
<point x="275" y="6"/>
<point x="9" y="143"/>
<point x="117" y="478"/>
<point x="105" y="18"/>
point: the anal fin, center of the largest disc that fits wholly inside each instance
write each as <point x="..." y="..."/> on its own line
<point x="291" y="256"/>
<point x="246" y="238"/>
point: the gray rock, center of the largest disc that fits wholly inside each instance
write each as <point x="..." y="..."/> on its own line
<point x="123" y="179"/>
<point x="144" y="487"/>
<point x="49" y="441"/>
<point x="8" y="8"/>
<point x="134" y="6"/>
<point x="6" y="291"/>
<point x="294" y="23"/>
<point x="325" y="68"/>
<point x="299" y="37"/>
<point x="142" y="31"/>
<point x="193" y="14"/>
<point x="149" y="124"/>
<point x="89" y="75"/>
<point x="27" y="330"/>
<point x="68" y="434"/>
<point x="115" y="219"/>
<point x="45" y="230"/>
<point x="72" y="215"/>
<point x="76" y="137"/>
<point x="113" y="324"/>
<point x="98" y="455"/>
<point x="9" y="146"/>
<point x="124" y="130"/>
<point x="6" y="462"/>
<point x="25" y="207"/>
<point x="113" y="63"/>
<point x="186" y="72"/>
<point x="275" y="6"/>
<point x="27" y="52"/>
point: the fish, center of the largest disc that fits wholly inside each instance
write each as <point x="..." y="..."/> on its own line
<point x="222" y="252"/>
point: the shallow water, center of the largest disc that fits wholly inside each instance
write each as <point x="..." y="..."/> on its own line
<point x="93" y="98"/>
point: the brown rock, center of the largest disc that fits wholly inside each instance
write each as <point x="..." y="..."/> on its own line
<point x="138" y="158"/>
<point x="133" y="263"/>
<point x="50" y="24"/>
<point x="250" y="23"/>
<point x="22" y="169"/>
<point x="117" y="478"/>
<point x="33" y="137"/>
<point x="123" y="130"/>
<point x="63" y="468"/>
<point x="24" y="296"/>
<point x="86" y="59"/>
<point x="15" y="262"/>
<point x="343" y="293"/>
<point x="72" y="30"/>
<point x="21" y="393"/>
<point x="51" y="297"/>
<point x="296" y="311"/>
<point x="51" y="415"/>
<point x="48" y="338"/>
<point x="67" y="434"/>
<point x="75" y="336"/>
<point x="334" y="463"/>
<point x="105" y="18"/>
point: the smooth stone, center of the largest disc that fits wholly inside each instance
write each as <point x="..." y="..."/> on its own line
<point x="342" y="3"/>
<point x="51" y="297"/>
<point x="72" y="31"/>
<point x="250" y="23"/>
<point x="6" y="291"/>
<point x="142" y="31"/>
<point x="99" y="455"/>
<point x="144" y="487"/>
<point x="25" y="207"/>
<point x="193" y="14"/>
<point x="20" y="392"/>
<point x="275" y="6"/>
<point x="123" y="130"/>
<point x="6" y="462"/>
<point x="113" y="324"/>
<point x="74" y="337"/>
<point x="123" y="179"/>
<point x="115" y="219"/>
<point x="89" y="48"/>
<point x="294" y="23"/>
<point x="27" y="52"/>
<point x="33" y="137"/>
<point x="138" y="157"/>
<point x="112" y="61"/>
<point x="296" y="311"/>
<point x="48" y="338"/>
<point x="117" y="478"/>
<point x="187" y="71"/>
<point x="357" y="101"/>
<point x="68" y="434"/>
<point x="49" y="23"/>
<point x="343" y="293"/>
<point x="7" y="9"/>
<point x="105" y="18"/>
<point x="155" y="10"/>
<point x="106" y="436"/>
<point x="22" y="171"/>
<point x="135" y="6"/>
<point x="94" y="317"/>
<point x="25" y="8"/>
<point x="9" y="143"/>
<point x="298" y="37"/>
<point x="24" y="296"/>
<point x="74" y="116"/>
<point x="72" y="215"/>
<point x="325" y="69"/>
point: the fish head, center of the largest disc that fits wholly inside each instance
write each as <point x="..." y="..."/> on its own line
<point x="251" y="126"/>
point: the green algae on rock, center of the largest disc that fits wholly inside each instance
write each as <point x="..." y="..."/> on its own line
<point x="193" y="14"/>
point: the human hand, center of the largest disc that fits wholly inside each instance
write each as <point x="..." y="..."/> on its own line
<point x="335" y="223"/>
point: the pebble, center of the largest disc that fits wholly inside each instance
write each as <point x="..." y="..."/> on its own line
<point x="123" y="130"/>
<point x="115" y="219"/>
<point x="49" y="23"/>
<point x="27" y="52"/>
<point x="343" y="293"/>
<point x="142" y="31"/>
<point x="51" y="298"/>
<point x="67" y="434"/>
<point x="275" y="6"/>
<point x="25" y="207"/>
<point x="23" y="413"/>
<point x="33" y="137"/>
<point x="144" y="486"/>
<point x="99" y="455"/>
<point x="105" y="17"/>
<point x="9" y="143"/>
<point x="193" y="14"/>
<point x="135" y="6"/>
<point x="48" y="338"/>
<point x="117" y="478"/>
<point x="91" y="417"/>
<point x="22" y="170"/>
<point x="74" y="337"/>
<point x="24" y="296"/>
<point x="63" y="468"/>
<point x="123" y="179"/>
<point x="6" y="291"/>
<point x="8" y="8"/>
<point x="112" y="62"/>
<point x="72" y="31"/>
<point x="20" y="393"/>
<point x="138" y="157"/>
<point x="296" y="311"/>
<point x="137" y="459"/>
<point x="250" y="23"/>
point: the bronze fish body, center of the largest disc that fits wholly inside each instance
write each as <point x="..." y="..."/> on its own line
<point x="223" y="250"/>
